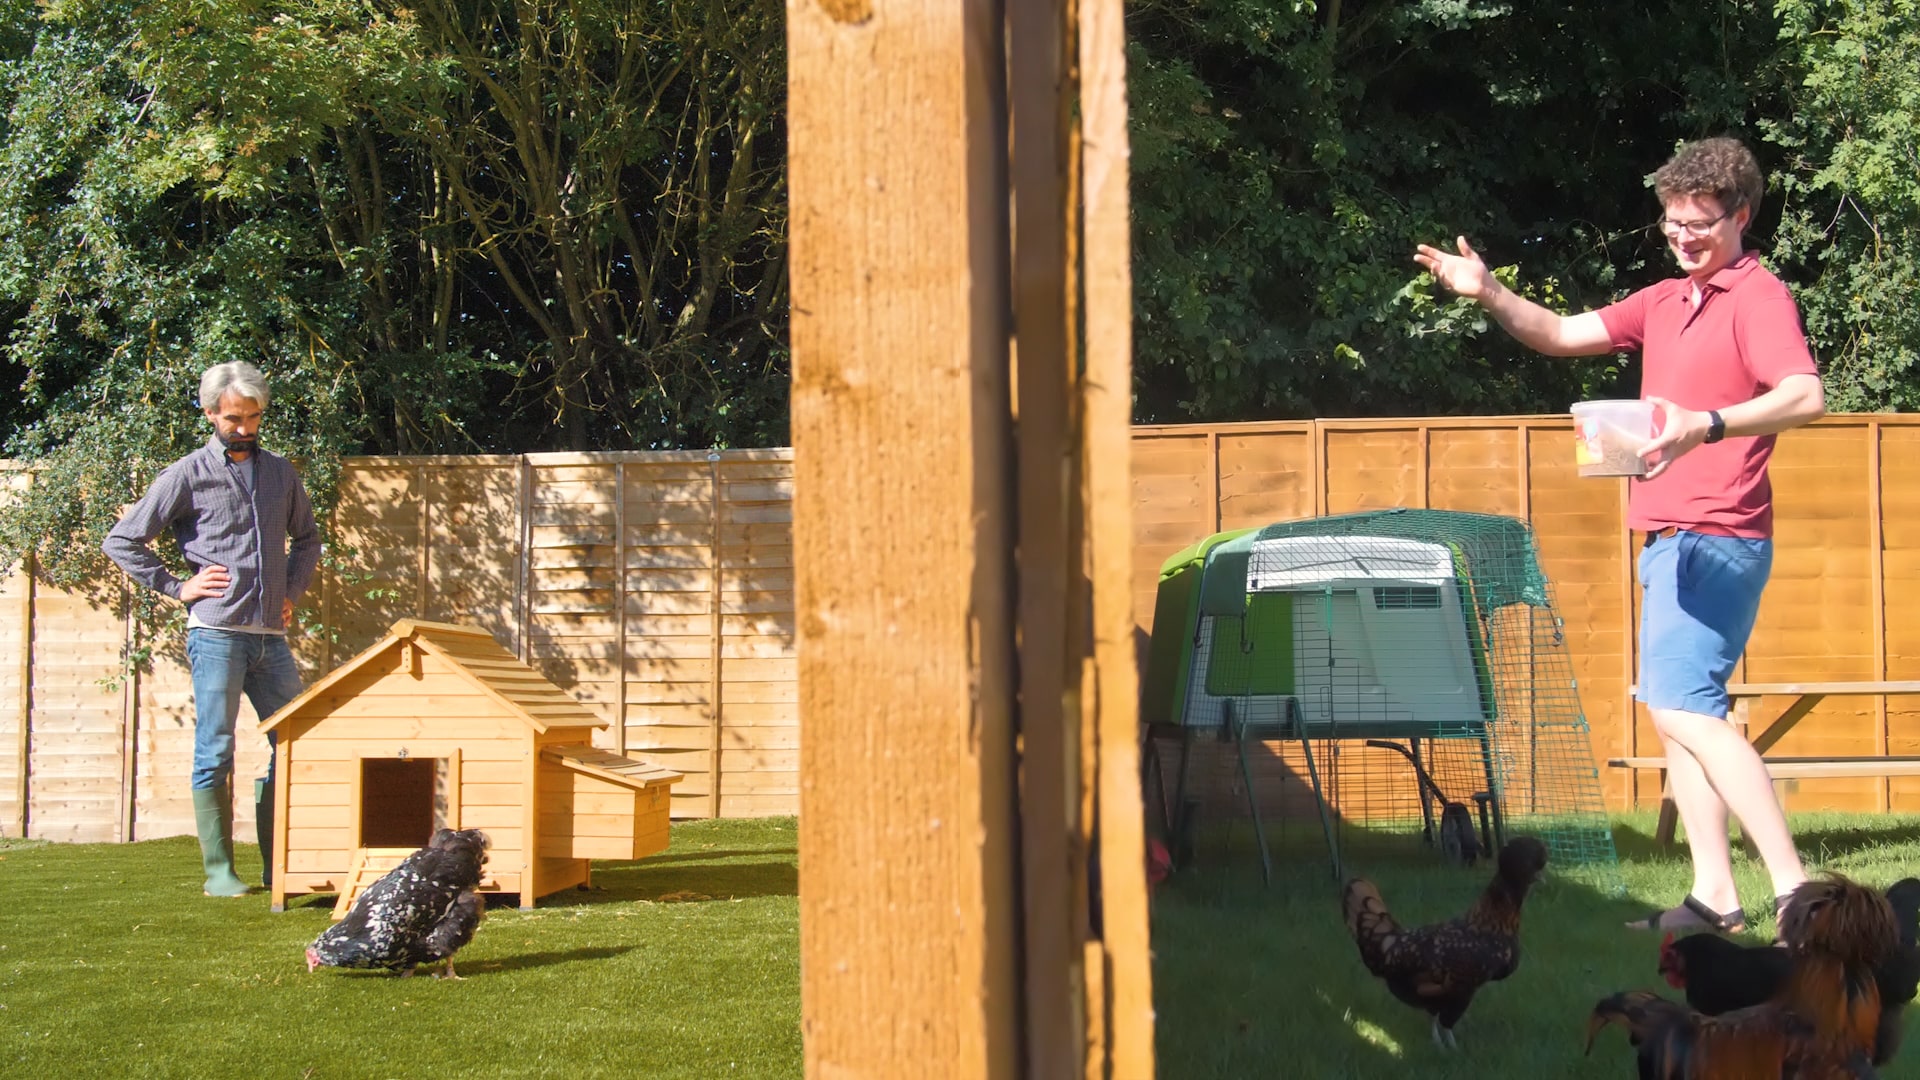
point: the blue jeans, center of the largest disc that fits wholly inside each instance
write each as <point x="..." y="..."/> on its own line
<point x="1700" y="595"/>
<point x="225" y="664"/>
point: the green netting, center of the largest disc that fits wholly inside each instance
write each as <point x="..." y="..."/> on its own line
<point x="1366" y="651"/>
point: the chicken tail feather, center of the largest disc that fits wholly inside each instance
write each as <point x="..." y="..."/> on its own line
<point x="1372" y="926"/>
<point x="1836" y="917"/>
<point x="1643" y="1013"/>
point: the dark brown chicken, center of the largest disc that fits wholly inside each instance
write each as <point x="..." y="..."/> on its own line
<point x="1820" y="1022"/>
<point x="1720" y="975"/>
<point x="1439" y="967"/>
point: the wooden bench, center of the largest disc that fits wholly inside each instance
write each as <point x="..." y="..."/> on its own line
<point x="1744" y="697"/>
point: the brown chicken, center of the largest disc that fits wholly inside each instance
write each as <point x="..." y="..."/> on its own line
<point x="1820" y="1023"/>
<point x="1720" y="975"/>
<point x="1441" y="966"/>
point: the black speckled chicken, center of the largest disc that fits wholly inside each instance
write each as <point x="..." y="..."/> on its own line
<point x="1439" y="967"/>
<point x="420" y="912"/>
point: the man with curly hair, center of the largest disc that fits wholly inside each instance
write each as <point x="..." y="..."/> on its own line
<point x="1725" y="362"/>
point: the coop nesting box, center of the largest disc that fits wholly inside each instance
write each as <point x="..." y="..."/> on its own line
<point x="436" y="725"/>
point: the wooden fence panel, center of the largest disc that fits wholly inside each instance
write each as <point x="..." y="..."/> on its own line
<point x="471" y="560"/>
<point x="1847" y="562"/>
<point x="1897" y="459"/>
<point x="574" y="550"/>
<point x="757" y="730"/>
<point x="672" y="661"/>
<point x="1816" y="619"/>
<point x="377" y="530"/>
<point x="75" y="782"/>
<point x="658" y="589"/>
<point x="16" y="679"/>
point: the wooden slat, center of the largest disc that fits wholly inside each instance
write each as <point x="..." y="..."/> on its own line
<point x="129" y="714"/>
<point x="1046" y="215"/>
<point x="1856" y="687"/>
<point x="617" y="768"/>
<point x="619" y="731"/>
<point x="1784" y="768"/>
<point x="716" y="643"/>
<point x="22" y="736"/>
<point x="1117" y="1030"/>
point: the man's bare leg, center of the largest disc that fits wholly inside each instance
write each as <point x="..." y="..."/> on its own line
<point x="1721" y="772"/>
<point x="1705" y="817"/>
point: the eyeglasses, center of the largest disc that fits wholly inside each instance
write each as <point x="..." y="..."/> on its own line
<point x="1693" y="228"/>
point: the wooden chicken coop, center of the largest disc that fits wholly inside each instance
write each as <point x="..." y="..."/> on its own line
<point x="437" y="725"/>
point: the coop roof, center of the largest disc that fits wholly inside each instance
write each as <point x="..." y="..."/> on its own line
<point x="608" y="765"/>
<point x="470" y="652"/>
<point x="1293" y="561"/>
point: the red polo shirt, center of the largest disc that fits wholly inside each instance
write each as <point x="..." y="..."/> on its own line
<point x="1739" y="343"/>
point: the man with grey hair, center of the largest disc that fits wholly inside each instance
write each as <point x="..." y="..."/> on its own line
<point x="245" y="527"/>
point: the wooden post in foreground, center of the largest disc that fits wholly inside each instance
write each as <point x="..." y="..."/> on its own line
<point x="962" y="541"/>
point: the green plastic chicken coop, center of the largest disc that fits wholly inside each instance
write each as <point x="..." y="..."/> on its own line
<point x="1387" y="662"/>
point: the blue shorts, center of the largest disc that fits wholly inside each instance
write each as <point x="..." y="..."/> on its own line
<point x="1699" y="595"/>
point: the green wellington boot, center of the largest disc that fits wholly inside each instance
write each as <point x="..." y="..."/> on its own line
<point x="213" y="817"/>
<point x="263" y="828"/>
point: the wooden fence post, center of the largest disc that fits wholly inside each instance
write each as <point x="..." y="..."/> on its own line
<point x="716" y="687"/>
<point x="902" y="504"/>
<point x="620" y="607"/>
<point x="129" y="709"/>
<point x="24" y="747"/>
<point x="523" y="594"/>
<point x="947" y="914"/>
<point x="1118" y="966"/>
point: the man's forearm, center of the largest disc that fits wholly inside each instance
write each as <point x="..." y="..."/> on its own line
<point x="141" y="564"/>
<point x="1799" y="399"/>
<point x="1531" y="324"/>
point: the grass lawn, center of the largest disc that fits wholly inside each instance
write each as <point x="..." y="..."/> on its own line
<point x="685" y="964"/>
<point x="1258" y="982"/>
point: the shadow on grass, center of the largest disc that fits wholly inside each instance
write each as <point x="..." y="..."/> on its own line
<point x="652" y="880"/>
<point x="1250" y="977"/>
<point x="1820" y="837"/>
<point x="501" y="966"/>
<point x="710" y="856"/>
<point x="548" y="959"/>
<point x="625" y="883"/>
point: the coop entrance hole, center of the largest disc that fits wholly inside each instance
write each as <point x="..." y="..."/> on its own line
<point x="402" y="800"/>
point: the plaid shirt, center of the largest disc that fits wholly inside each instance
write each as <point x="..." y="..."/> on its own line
<point x="217" y="521"/>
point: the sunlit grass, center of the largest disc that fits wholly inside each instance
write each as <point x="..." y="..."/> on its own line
<point x="686" y="964"/>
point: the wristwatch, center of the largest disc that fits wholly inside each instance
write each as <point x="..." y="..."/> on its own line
<point x="1716" y="427"/>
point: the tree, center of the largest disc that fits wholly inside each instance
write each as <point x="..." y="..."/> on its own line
<point x="467" y="225"/>
<point x="1850" y="233"/>
<point x="1288" y="157"/>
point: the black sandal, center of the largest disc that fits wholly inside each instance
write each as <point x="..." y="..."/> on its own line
<point x="1732" y="922"/>
<point x="1779" y="908"/>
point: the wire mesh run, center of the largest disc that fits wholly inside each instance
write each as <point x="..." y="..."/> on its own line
<point x="1402" y="677"/>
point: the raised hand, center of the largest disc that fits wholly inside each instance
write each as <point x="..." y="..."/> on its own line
<point x="1465" y="274"/>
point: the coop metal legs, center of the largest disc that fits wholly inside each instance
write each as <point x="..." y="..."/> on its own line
<point x="1239" y="728"/>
